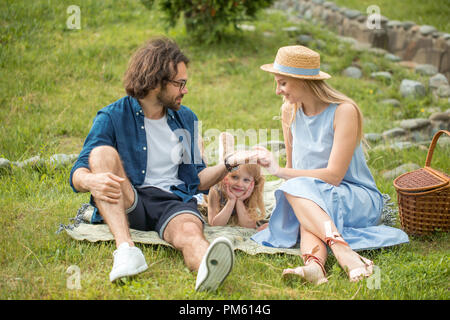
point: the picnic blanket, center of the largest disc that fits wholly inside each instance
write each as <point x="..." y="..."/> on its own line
<point x="81" y="229"/>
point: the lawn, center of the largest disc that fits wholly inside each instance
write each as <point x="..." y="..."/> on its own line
<point x="53" y="81"/>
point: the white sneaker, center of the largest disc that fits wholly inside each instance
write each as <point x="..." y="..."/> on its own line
<point x="128" y="261"/>
<point x="216" y="265"/>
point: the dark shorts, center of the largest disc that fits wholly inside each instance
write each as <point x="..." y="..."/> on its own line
<point x="153" y="208"/>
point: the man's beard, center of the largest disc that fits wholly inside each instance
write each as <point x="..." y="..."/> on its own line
<point x="167" y="102"/>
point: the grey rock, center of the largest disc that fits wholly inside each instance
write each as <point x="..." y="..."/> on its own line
<point x="426" y="30"/>
<point x="361" y="46"/>
<point x="394" y="173"/>
<point x="439" y="125"/>
<point x="393" y="133"/>
<point x="426" y="69"/>
<point x="304" y="39"/>
<point x="60" y="160"/>
<point x="391" y="102"/>
<point x="392" y="57"/>
<point x="33" y="162"/>
<point x="381" y="75"/>
<point x="394" y="23"/>
<point x="5" y="164"/>
<point x="414" y="124"/>
<point x="402" y="145"/>
<point x="411" y="88"/>
<point x="347" y="40"/>
<point x="308" y="14"/>
<point x="408" y="25"/>
<point x="443" y="91"/>
<point x="437" y="80"/>
<point x="377" y="51"/>
<point x="291" y="29"/>
<point x="440" y="116"/>
<point x="352" y="14"/>
<point x="421" y="134"/>
<point x="352" y="72"/>
<point x="373" y="137"/>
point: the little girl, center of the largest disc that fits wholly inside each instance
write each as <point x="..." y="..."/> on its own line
<point x="238" y="198"/>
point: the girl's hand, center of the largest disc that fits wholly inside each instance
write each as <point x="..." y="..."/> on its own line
<point x="267" y="160"/>
<point x="231" y="195"/>
<point x="248" y="193"/>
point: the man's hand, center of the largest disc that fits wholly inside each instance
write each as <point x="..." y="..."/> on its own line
<point x="105" y="186"/>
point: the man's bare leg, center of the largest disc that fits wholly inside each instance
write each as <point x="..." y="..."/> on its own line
<point x="106" y="159"/>
<point x="185" y="233"/>
<point x="213" y="262"/>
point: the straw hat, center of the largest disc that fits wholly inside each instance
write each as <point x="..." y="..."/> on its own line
<point x="297" y="62"/>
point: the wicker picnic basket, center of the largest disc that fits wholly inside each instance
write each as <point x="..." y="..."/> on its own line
<point x="423" y="197"/>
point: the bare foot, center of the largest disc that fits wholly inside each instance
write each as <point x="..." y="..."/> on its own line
<point x="357" y="267"/>
<point x="311" y="272"/>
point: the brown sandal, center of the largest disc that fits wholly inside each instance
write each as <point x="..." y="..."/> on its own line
<point x="356" y="274"/>
<point x="309" y="271"/>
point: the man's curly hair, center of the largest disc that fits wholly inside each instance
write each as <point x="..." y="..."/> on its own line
<point x="152" y="65"/>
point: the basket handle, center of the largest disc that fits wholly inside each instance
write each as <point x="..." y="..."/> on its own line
<point x="433" y="145"/>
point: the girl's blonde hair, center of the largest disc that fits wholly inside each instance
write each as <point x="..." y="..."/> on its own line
<point x="326" y="94"/>
<point x="255" y="203"/>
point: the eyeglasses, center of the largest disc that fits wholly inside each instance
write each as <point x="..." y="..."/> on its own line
<point x="180" y="83"/>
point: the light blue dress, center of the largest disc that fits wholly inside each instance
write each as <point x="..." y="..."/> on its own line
<point x="355" y="205"/>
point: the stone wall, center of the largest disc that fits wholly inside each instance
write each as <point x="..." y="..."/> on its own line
<point x="406" y="40"/>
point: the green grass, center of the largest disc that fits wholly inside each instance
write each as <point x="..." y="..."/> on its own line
<point x="433" y="13"/>
<point x="54" y="80"/>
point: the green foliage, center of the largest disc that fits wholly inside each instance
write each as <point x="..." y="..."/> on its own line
<point x="208" y="20"/>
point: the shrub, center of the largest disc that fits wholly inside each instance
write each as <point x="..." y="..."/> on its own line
<point x="208" y="20"/>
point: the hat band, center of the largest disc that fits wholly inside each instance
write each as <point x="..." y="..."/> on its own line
<point x="297" y="71"/>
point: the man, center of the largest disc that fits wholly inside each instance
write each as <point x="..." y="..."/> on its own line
<point x="142" y="166"/>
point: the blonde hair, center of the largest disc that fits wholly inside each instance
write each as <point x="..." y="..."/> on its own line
<point x="326" y="94"/>
<point x="255" y="203"/>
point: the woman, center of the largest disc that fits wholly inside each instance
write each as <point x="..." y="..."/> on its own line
<point x="330" y="197"/>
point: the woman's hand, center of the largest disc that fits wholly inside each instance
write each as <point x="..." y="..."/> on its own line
<point x="242" y="157"/>
<point x="267" y="160"/>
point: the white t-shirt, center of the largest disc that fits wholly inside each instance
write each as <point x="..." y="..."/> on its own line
<point x="164" y="155"/>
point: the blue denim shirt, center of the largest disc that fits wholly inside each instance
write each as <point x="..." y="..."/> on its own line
<point x="121" y="125"/>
